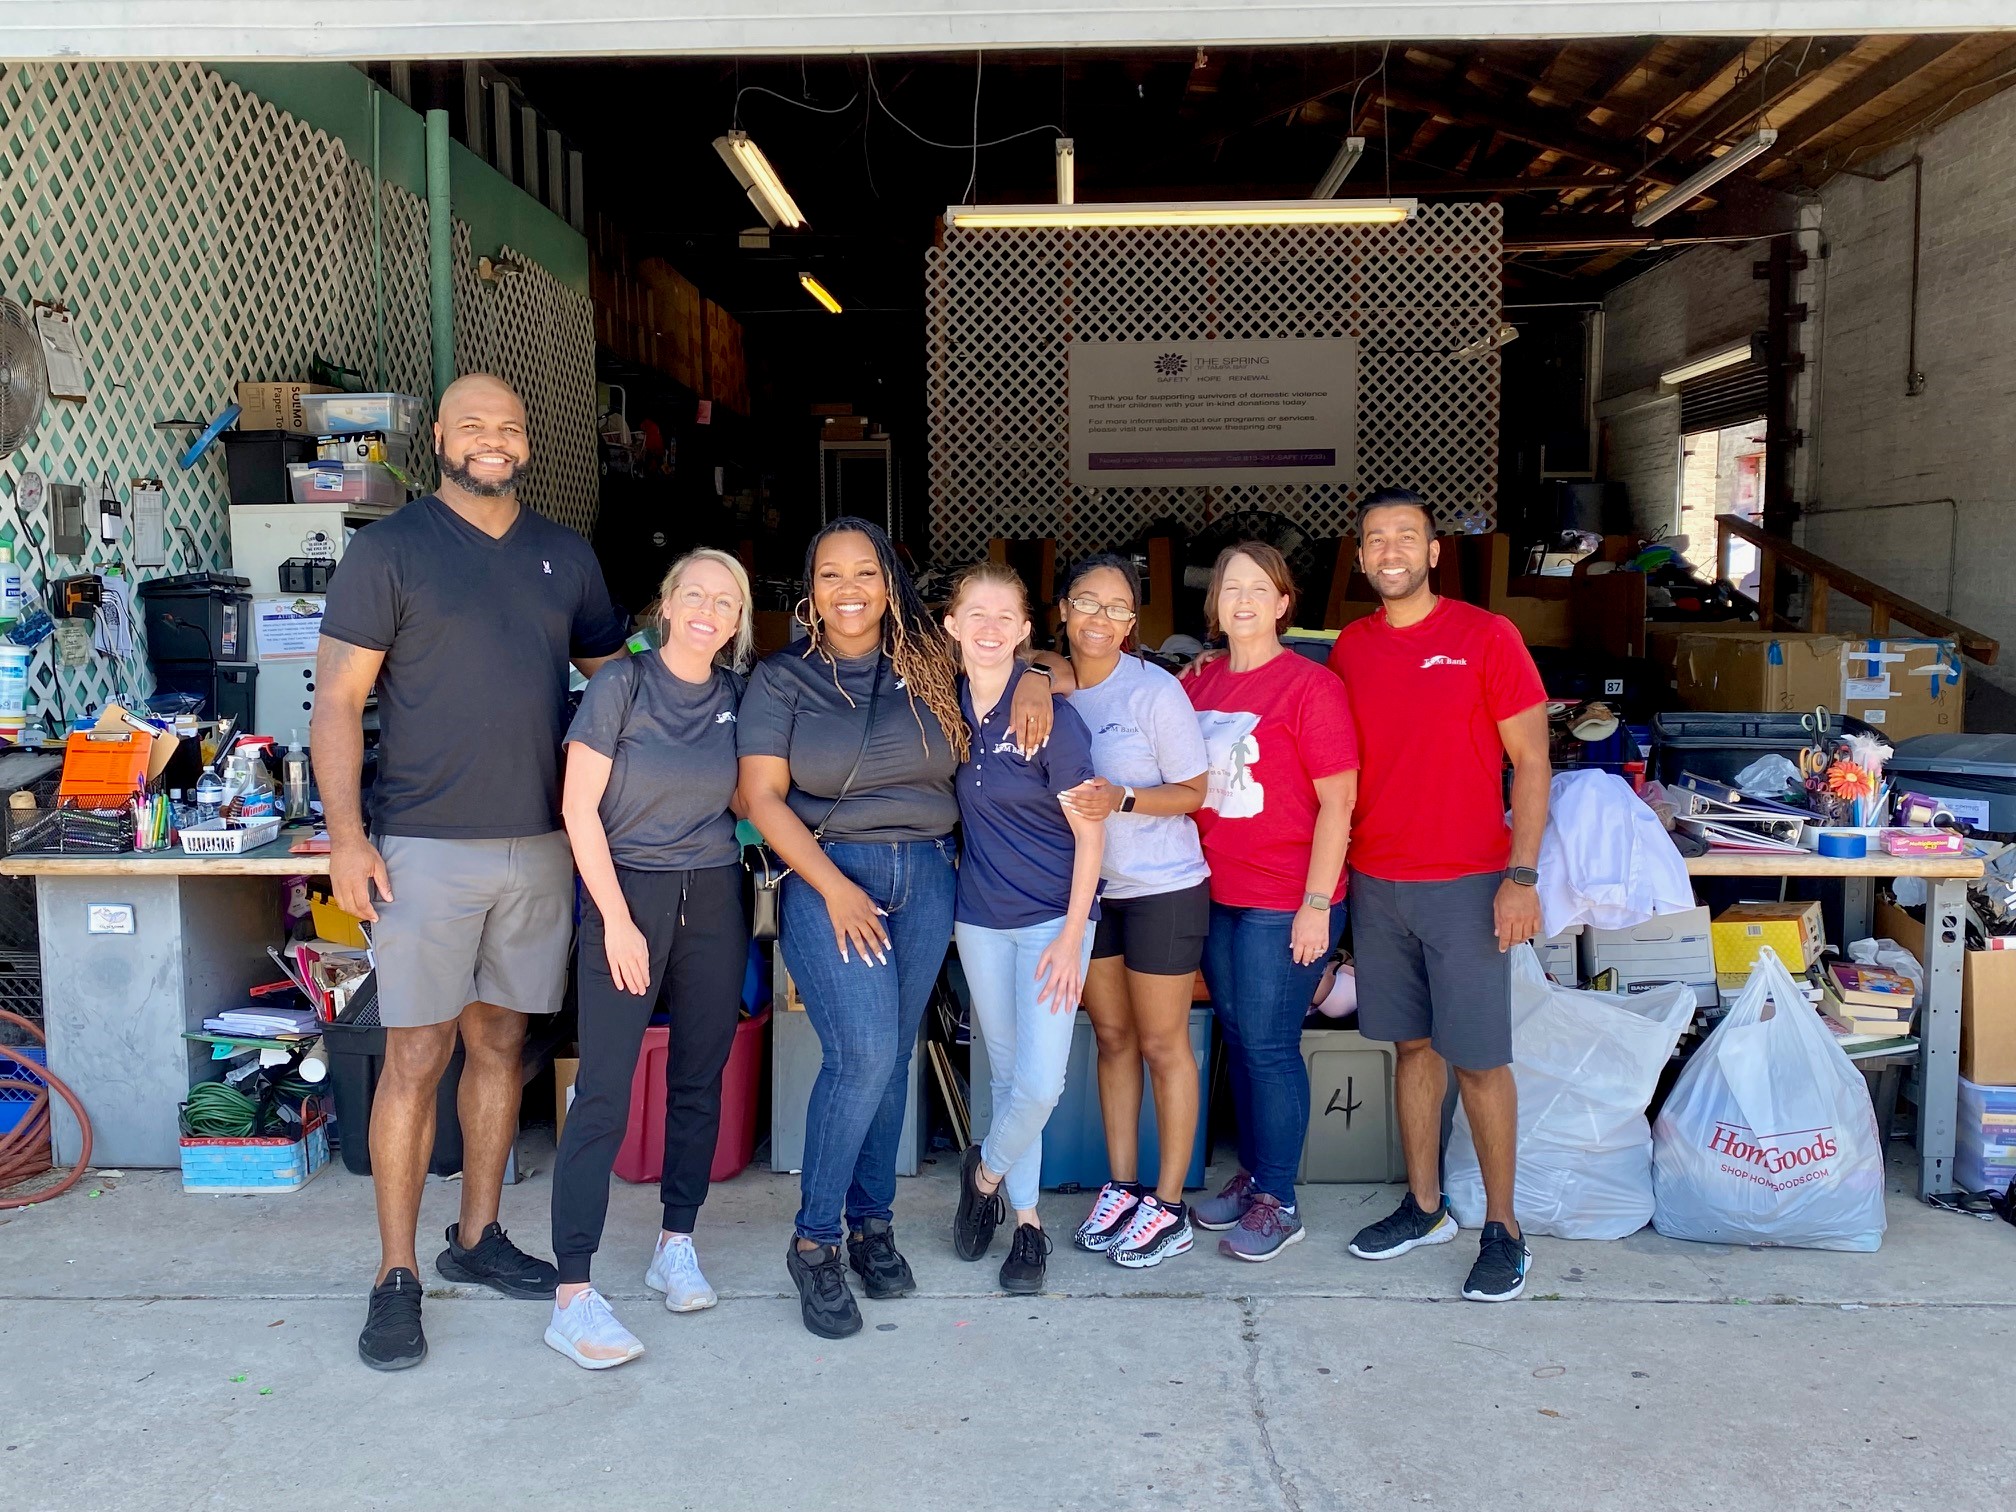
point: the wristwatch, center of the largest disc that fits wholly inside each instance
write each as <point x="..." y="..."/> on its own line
<point x="1524" y="876"/>
<point x="1040" y="669"/>
<point x="1315" y="900"/>
<point x="1127" y="800"/>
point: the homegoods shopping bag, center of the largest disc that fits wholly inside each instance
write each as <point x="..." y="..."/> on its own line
<point x="1768" y="1137"/>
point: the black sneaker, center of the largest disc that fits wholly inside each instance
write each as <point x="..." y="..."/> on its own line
<point x="392" y="1337"/>
<point x="1023" y="1270"/>
<point x="1406" y="1229"/>
<point x="494" y="1261"/>
<point x="825" y="1300"/>
<point x="872" y="1253"/>
<point x="980" y="1213"/>
<point x="1500" y="1272"/>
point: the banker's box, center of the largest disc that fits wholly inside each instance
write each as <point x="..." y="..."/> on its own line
<point x="1665" y="948"/>
<point x="1792" y="930"/>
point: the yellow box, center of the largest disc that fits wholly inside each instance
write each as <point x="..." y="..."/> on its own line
<point x="1793" y="930"/>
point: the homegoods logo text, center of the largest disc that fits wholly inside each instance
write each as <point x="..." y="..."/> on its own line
<point x="1774" y="1153"/>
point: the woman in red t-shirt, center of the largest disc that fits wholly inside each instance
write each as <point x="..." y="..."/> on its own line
<point x="1276" y="822"/>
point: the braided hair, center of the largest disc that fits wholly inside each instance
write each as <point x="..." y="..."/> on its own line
<point x="913" y="642"/>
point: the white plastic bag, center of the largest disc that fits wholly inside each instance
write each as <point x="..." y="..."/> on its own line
<point x="1586" y="1064"/>
<point x="1768" y="1136"/>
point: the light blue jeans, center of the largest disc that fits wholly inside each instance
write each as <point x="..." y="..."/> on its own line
<point x="1028" y="1046"/>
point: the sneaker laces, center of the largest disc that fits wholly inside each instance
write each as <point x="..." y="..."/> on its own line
<point x="1111" y="1204"/>
<point x="829" y="1277"/>
<point x="1504" y="1249"/>
<point x="1240" y="1184"/>
<point x="1263" y="1218"/>
<point x="1147" y="1217"/>
<point x="1031" y="1245"/>
<point x="878" y="1246"/>
<point x="402" y="1302"/>
<point x="681" y="1258"/>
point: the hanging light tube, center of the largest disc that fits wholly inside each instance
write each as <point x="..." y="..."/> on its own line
<point x="1067" y="171"/>
<point x="1310" y="212"/>
<point x="819" y="292"/>
<point x="1714" y="360"/>
<point x="1709" y="174"/>
<point x="753" y="172"/>
<point x="1339" y="169"/>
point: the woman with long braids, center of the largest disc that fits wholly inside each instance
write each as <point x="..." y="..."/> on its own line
<point x="849" y="743"/>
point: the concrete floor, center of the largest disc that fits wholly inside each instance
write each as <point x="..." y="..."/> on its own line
<point x="159" y="1350"/>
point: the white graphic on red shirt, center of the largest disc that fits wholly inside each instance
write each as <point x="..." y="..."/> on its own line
<point x="1232" y="747"/>
<point x="1443" y="661"/>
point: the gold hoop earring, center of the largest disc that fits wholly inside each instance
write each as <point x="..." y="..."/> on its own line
<point x="806" y="616"/>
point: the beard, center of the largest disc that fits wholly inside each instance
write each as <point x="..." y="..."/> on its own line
<point x="483" y="488"/>
<point x="1411" y="583"/>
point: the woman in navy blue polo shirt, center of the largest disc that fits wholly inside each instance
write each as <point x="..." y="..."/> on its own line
<point x="1028" y="892"/>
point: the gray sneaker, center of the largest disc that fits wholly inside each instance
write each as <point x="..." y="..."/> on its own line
<point x="1264" y="1231"/>
<point x="1227" y="1208"/>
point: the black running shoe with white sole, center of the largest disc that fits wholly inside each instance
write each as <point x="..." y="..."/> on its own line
<point x="825" y="1300"/>
<point x="1500" y="1272"/>
<point x="873" y="1254"/>
<point x="392" y="1337"/>
<point x="494" y="1261"/>
<point x="1406" y="1228"/>
<point x="979" y="1213"/>
<point x="1112" y="1212"/>
<point x="1157" y="1233"/>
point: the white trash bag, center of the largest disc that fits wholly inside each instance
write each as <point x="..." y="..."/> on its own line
<point x="1768" y="1137"/>
<point x="1586" y="1064"/>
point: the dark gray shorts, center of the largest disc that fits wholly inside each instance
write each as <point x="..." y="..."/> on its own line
<point x="1429" y="967"/>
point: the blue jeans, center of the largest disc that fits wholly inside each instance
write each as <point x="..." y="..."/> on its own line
<point x="1028" y="1046"/>
<point x="1260" y="997"/>
<point x="867" y="1017"/>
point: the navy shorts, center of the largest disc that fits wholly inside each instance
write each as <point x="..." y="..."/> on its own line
<point x="1429" y="967"/>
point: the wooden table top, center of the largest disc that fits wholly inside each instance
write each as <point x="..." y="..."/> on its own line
<point x="1807" y="864"/>
<point x="274" y="860"/>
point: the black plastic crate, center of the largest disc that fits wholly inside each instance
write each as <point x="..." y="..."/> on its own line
<point x="1718" y="745"/>
<point x="255" y="464"/>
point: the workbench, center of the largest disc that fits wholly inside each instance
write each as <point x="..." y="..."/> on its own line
<point x="1946" y="879"/>
<point x="115" y="1005"/>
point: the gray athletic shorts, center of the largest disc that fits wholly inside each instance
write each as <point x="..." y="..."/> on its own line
<point x="1429" y="967"/>
<point x="472" y="921"/>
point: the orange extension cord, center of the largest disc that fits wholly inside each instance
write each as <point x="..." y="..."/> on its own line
<point x="24" y="1150"/>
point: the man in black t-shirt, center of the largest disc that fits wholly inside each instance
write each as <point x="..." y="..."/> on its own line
<point x="463" y="609"/>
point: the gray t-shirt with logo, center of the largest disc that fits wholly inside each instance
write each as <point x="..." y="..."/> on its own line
<point x="672" y="748"/>
<point x="1144" y="734"/>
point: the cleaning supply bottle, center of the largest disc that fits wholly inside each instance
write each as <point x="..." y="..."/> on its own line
<point x="294" y="778"/>
<point x="11" y="606"/>
<point x="209" y="795"/>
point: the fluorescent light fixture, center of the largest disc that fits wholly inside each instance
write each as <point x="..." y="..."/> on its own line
<point x="1067" y="171"/>
<point x="1502" y="334"/>
<point x="1186" y="213"/>
<point x="1713" y="173"/>
<point x="753" y="172"/>
<point x="819" y="292"/>
<point x="1729" y="354"/>
<point x="1339" y="169"/>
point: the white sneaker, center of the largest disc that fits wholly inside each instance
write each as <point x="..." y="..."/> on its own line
<point x="588" y="1325"/>
<point x="675" y="1271"/>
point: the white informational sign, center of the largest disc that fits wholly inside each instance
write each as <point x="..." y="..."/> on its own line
<point x="289" y="626"/>
<point x="1198" y="413"/>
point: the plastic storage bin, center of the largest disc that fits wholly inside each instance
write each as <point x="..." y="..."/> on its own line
<point x="1975" y="775"/>
<point x="1719" y="745"/>
<point x="794" y="1066"/>
<point x="1354" y="1124"/>
<point x="15" y="1102"/>
<point x="256" y="462"/>
<point x="641" y="1156"/>
<point x="252" y="1165"/>
<point x="197" y="617"/>
<point x="345" y="483"/>
<point x="1074" y="1141"/>
<point x="354" y="414"/>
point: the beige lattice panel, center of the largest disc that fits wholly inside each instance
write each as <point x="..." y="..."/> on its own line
<point x="1003" y="307"/>
<point x="203" y="236"/>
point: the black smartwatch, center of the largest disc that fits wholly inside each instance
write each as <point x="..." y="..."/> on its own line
<point x="1039" y="669"/>
<point x="1524" y="876"/>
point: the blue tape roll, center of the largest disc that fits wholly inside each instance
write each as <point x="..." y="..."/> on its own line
<point x="1844" y="847"/>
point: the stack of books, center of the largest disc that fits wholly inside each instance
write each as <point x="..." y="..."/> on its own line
<point x="1864" y="1004"/>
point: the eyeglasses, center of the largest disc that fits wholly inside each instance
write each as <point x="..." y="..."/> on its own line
<point x="1120" y="614"/>
<point x="696" y="599"/>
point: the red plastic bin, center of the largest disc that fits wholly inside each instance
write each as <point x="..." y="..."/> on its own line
<point x="642" y="1156"/>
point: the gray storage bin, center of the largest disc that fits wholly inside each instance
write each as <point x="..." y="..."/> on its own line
<point x="1354" y="1126"/>
<point x="794" y="1066"/>
<point x="1974" y="775"/>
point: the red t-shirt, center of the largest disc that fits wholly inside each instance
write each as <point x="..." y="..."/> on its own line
<point x="1427" y="700"/>
<point x="1269" y="733"/>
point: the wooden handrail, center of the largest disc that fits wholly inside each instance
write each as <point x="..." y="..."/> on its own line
<point x="1825" y="577"/>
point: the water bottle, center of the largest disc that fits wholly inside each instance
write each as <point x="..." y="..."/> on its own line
<point x="294" y="778"/>
<point x="10" y="590"/>
<point x="209" y="795"/>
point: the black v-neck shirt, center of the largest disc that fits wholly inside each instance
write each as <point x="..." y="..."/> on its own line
<point x="477" y="633"/>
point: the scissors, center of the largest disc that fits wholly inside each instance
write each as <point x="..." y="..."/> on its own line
<point x="1817" y="724"/>
<point x="1814" y="759"/>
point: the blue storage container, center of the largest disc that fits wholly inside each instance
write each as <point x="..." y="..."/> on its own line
<point x="1074" y="1141"/>
<point x="14" y="1103"/>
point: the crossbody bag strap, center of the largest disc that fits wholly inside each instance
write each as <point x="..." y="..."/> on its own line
<point x="867" y="733"/>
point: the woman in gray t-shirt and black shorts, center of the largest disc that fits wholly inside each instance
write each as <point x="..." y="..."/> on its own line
<point x="651" y="773"/>
<point x="1154" y="913"/>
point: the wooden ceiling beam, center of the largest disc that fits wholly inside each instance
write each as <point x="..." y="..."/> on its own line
<point x="1785" y="71"/>
<point x="1716" y="54"/>
<point x="1635" y="56"/>
<point x="1984" y="78"/>
<point x="1467" y="106"/>
<point x="1879" y="79"/>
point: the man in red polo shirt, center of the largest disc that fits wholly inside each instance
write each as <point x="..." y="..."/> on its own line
<point x="1442" y="693"/>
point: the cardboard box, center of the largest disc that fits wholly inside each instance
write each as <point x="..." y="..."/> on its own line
<point x="1987" y="1000"/>
<point x="276" y="406"/>
<point x="1793" y="930"/>
<point x="1671" y="947"/>
<point x="845" y="428"/>
<point x="1904" y="687"/>
<point x="565" y="1069"/>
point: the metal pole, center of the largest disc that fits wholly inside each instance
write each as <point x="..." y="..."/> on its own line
<point x="440" y="253"/>
<point x="377" y="234"/>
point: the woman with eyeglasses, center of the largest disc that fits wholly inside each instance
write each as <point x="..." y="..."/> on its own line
<point x="651" y="773"/>
<point x="1276" y="823"/>
<point x="1154" y="911"/>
